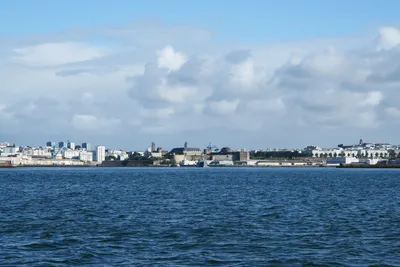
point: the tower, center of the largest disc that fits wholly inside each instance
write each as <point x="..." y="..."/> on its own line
<point x="71" y="145"/>
<point x="153" y="147"/>
<point x="185" y="145"/>
<point x="100" y="154"/>
<point x="86" y="146"/>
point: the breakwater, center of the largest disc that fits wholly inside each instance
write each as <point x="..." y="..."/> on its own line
<point x="366" y="166"/>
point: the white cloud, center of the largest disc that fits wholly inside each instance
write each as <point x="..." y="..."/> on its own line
<point x="388" y="38"/>
<point x="163" y="87"/>
<point x="223" y="107"/>
<point x="159" y="113"/>
<point x="88" y="122"/>
<point x="372" y="98"/>
<point x="393" y="112"/>
<point x="51" y="54"/>
<point x="169" y="59"/>
<point x="243" y="74"/>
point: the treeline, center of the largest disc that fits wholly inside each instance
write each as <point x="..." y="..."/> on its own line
<point x="278" y="154"/>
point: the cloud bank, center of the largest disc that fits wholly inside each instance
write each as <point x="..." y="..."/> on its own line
<point x="125" y="87"/>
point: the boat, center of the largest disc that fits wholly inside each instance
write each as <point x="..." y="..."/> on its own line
<point x="203" y="163"/>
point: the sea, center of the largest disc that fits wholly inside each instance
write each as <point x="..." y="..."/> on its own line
<point x="199" y="217"/>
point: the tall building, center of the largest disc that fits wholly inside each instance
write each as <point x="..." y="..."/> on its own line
<point x="86" y="146"/>
<point x="100" y="154"/>
<point x="153" y="147"/>
<point x="61" y="144"/>
<point x="71" y="145"/>
<point x="52" y="144"/>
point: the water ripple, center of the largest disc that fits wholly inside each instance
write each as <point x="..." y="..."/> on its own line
<point x="194" y="217"/>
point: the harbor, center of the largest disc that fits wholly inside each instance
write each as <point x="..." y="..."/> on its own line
<point x="71" y="154"/>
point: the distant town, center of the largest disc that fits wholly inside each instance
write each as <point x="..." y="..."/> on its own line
<point x="72" y="154"/>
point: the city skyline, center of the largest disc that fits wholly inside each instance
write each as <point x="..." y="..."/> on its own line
<point x="153" y="146"/>
<point x="251" y="74"/>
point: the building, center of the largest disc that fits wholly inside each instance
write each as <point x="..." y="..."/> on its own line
<point x="241" y="156"/>
<point x="8" y="151"/>
<point x="341" y="161"/>
<point x="61" y="144"/>
<point x="280" y="163"/>
<point x="4" y="144"/>
<point x="70" y="154"/>
<point x="368" y="161"/>
<point x="186" y="153"/>
<point x="100" y="154"/>
<point x="227" y="154"/>
<point x="116" y="154"/>
<point x="85" y="156"/>
<point x="153" y="147"/>
<point x="51" y="144"/>
<point x="86" y="146"/>
<point x="44" y="152"/>
<point x="71" y="145"/>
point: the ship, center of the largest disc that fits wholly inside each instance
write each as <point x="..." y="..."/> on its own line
<point x="203" y="163"/>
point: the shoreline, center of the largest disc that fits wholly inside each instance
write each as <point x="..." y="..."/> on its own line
<point x="366" y="166"/>
<point x="155" y="166"/>
<point x="348" y="166"/>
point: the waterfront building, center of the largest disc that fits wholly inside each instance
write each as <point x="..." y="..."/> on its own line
<point x="368" y="161"/>
<point x="154" y="153"/>
<point x="359" y="153"/>
<point x="70" y="154"/>
<point x="186" y="153"/>
<point x="227" y="154"/>
<point x="116" y="154"/>
<point x="43" y="152"/>
<point x="85" y="156"/>
<point x="341" y="161"/>
<point x="100" y="154"/>
<point x="8" y="151"/>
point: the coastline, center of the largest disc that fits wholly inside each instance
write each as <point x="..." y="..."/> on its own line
<point x="367" y="166"/>
<point x="190" y="167"/>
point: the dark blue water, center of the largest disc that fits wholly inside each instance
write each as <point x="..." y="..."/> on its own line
<point x="199" y="217"/>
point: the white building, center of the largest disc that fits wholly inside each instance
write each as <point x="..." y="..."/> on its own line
<point x="70" y="154"/>
<point x="100" y="154"/>
<point x="359" y="153"/>
<point x="118" y="154"/>
<point x="223" y="163"/>
<point x="8" y="151"/>
<point x="37" y="151"/>
<point x="4" y="144"/>
<point x="369" y="161"/>
<point x="153" y="154"/>
<point x="85" y="156"/>
<point x="123" y="156"/>
<point x="341" y="160"/>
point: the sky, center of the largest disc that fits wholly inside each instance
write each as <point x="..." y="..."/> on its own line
<point x="244" y="74"/>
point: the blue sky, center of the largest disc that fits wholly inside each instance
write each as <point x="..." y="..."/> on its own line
<point x="251" y="20"/>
